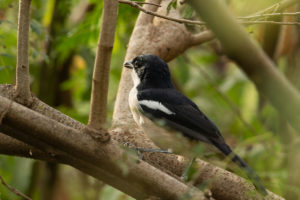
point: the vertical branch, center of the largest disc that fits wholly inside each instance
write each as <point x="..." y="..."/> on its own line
<point x="102" y="64"/>
<point x="22" y="74"/>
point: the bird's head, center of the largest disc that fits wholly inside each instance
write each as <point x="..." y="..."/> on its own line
<point x="149" y="71"/>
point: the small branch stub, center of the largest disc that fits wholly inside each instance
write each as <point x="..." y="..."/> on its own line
<point x="101" y="136"/>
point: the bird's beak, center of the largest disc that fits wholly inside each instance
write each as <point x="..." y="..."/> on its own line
<point x="128" y="64"/>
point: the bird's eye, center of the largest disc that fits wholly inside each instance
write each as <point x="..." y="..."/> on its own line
<point x="138" y="62"/>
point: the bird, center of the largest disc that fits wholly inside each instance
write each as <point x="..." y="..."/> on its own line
<point x="153" y="97"/>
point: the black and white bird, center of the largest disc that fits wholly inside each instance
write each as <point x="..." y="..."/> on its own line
<point x="154" y="98"/>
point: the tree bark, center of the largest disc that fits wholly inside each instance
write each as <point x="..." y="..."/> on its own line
<point x="138" y="177"/>
<point x="22" y="72"/>
<point x="102" y="64"/>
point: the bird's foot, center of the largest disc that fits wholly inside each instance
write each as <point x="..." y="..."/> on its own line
<point x="141" y="150"/>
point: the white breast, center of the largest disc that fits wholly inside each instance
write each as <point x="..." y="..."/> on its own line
<point x="133" y="101"/>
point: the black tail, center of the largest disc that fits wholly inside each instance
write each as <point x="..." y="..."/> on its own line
<point x="240" y="162"/>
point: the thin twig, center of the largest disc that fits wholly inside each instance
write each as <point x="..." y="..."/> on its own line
<point x="22" y="72"/>
<point x="15" y="191"/>
<point x="269" y="22"/>
<point x="193" y="22"/>
<point x="149" y="3"/>
<point x="277" y="7"/>
<point x="270" y="15"/>
<point x="186" y="21"/>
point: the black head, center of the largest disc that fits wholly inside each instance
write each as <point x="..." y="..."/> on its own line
<point x="150" y="71"/>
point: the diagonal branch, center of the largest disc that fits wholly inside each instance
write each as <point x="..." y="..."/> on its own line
<point x="251" y="58"/>
<point x="22" y="72"/>
<point x="15" y="191"/>
<point x="224" y="184"/>
<point x="140" y="176"/>
<point x="100" y="82"/>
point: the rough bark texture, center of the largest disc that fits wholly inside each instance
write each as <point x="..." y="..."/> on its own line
<point x="102" y="64"/>
<point x="169" y="163"/>
<point x="22" y="75"/>
<point x="56" y="139"/>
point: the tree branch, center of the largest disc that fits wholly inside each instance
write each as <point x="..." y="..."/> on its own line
<point x="251" y="58"/>
<point x="149" y="12"/>
<point x="193" y="22"/>
<point x="202" y="37"/>
<point x="270" y="15"/>
<point x="100" y="82"/>
<point x="224" y="183"/>
<point x="22" y="72"/>
<point x="277" y="7"/>
<point x="15" y="191"/>
<point x="140" y="176"/>
<point x="269" y="22"/>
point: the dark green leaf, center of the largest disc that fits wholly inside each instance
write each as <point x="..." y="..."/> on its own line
<point x="188" y="12"/>
<point x="173" y="4"/>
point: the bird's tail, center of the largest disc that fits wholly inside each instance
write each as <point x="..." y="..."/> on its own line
<point x="224" y="148"/>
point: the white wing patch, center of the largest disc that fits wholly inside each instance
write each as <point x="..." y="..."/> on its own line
<point x="155" y="105"/>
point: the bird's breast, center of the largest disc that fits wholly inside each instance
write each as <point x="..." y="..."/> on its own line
<point x="134" y="106"/>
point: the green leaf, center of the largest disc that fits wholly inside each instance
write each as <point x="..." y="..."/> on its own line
<point x="188" y="12"/>
<point x="173" y="4"/>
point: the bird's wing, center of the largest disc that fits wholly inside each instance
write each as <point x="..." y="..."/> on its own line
<point x="178" y="113"/>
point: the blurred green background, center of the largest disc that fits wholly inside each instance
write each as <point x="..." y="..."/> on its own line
<point x="63" y="41"/>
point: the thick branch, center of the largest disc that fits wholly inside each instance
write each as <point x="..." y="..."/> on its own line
<point x="22" y="72"/>
<point x="140" y="177"/>
<point x="251" y="58"/>
<point x="223" y="184"/>
<point x="102" y="64"/>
